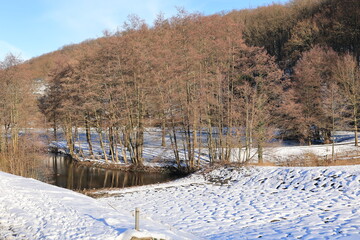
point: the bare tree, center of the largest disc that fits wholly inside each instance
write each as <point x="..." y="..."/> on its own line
<point x="347" y="73"/>
<point x="17" y="114"/>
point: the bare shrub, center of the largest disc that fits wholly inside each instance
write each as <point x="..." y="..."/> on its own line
<point x="305" y="160"/>
<point x="25" y="160"/>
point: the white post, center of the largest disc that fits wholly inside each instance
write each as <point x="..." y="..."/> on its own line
<point x="137" y="219"/>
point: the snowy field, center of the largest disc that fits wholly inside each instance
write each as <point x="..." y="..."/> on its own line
<point x="31" y="210"/>
<point x="256" y="202"/>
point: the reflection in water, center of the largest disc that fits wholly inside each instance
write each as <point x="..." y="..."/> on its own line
<point x="61" y="171"/>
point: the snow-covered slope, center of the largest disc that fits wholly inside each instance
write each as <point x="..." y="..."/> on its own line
<point x="230" y="203"/>
<point x="258" y="202"/>
<point x="30" y="209"/>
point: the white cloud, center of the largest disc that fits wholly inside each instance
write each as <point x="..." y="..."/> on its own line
<point x="6" y="48"/>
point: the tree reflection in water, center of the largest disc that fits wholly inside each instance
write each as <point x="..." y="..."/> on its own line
<point x="61" y="171"/>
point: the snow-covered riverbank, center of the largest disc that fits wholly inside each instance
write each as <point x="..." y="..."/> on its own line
<point x="225" y="203"/>
<point x="155" y="155"/>
<point x="30" y="209"/>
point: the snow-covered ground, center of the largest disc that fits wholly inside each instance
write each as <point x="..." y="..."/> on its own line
<point x="226" y="203"/>
<point x="256" y="202"/>
<point x="30" y="209"/>
<point x="344" y="144"/>
<point x="154" y="153"/>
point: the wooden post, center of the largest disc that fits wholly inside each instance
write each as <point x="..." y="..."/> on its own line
<point x="137" y="219"/>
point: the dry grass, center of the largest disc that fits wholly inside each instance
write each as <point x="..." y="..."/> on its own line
<point x="342" y="162"/>
<point x="312" y="160"/>
<point x="264" y="164"/>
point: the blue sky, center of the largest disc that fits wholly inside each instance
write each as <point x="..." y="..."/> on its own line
<point x="30" y="28"/>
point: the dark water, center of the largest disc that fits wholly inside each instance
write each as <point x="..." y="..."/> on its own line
<point x="63" y="172"/>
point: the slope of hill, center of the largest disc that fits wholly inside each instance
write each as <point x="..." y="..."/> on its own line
<point x="257" y="202"/>
<point x="284" y="30"/>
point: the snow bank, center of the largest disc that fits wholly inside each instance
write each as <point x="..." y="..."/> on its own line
<point x="30" y="209"/>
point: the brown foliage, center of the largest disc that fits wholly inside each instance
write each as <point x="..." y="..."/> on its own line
<point x="189" y="74"/>
<point x="307" y="116"/>
<point x="17" y="114"/>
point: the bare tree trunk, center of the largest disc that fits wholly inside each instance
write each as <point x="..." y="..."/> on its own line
<point x="77" y="135"/>
<point x="115" y="145"/>
<point x="189" y="147"/>
<point x="88" y="138"/>
<point x="184" y="143"/>
<point x="123" y="148"/>
<point x="355" y="126"/>
<point x="7" y="129"/>
<point x="333" y="124"/>
<point x="111" y="144"/>
<point x="247" y="134"/>
<point x="1" y="140"/>
<point x="260" y="152"/>
<point x="102" y="145"/>
<point x="69" y="138"/>
<point x="14" y="140"/>
<point x="238" y="134"/>
<point x="199" y="148"/>
<point x="210" y="140"/>
<point x="195" y="137"/>
<point x="163" y="132"/>
<point x="14" y="129"/>
<point x="174" y="143"/>
<point x="55" y="127"/>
